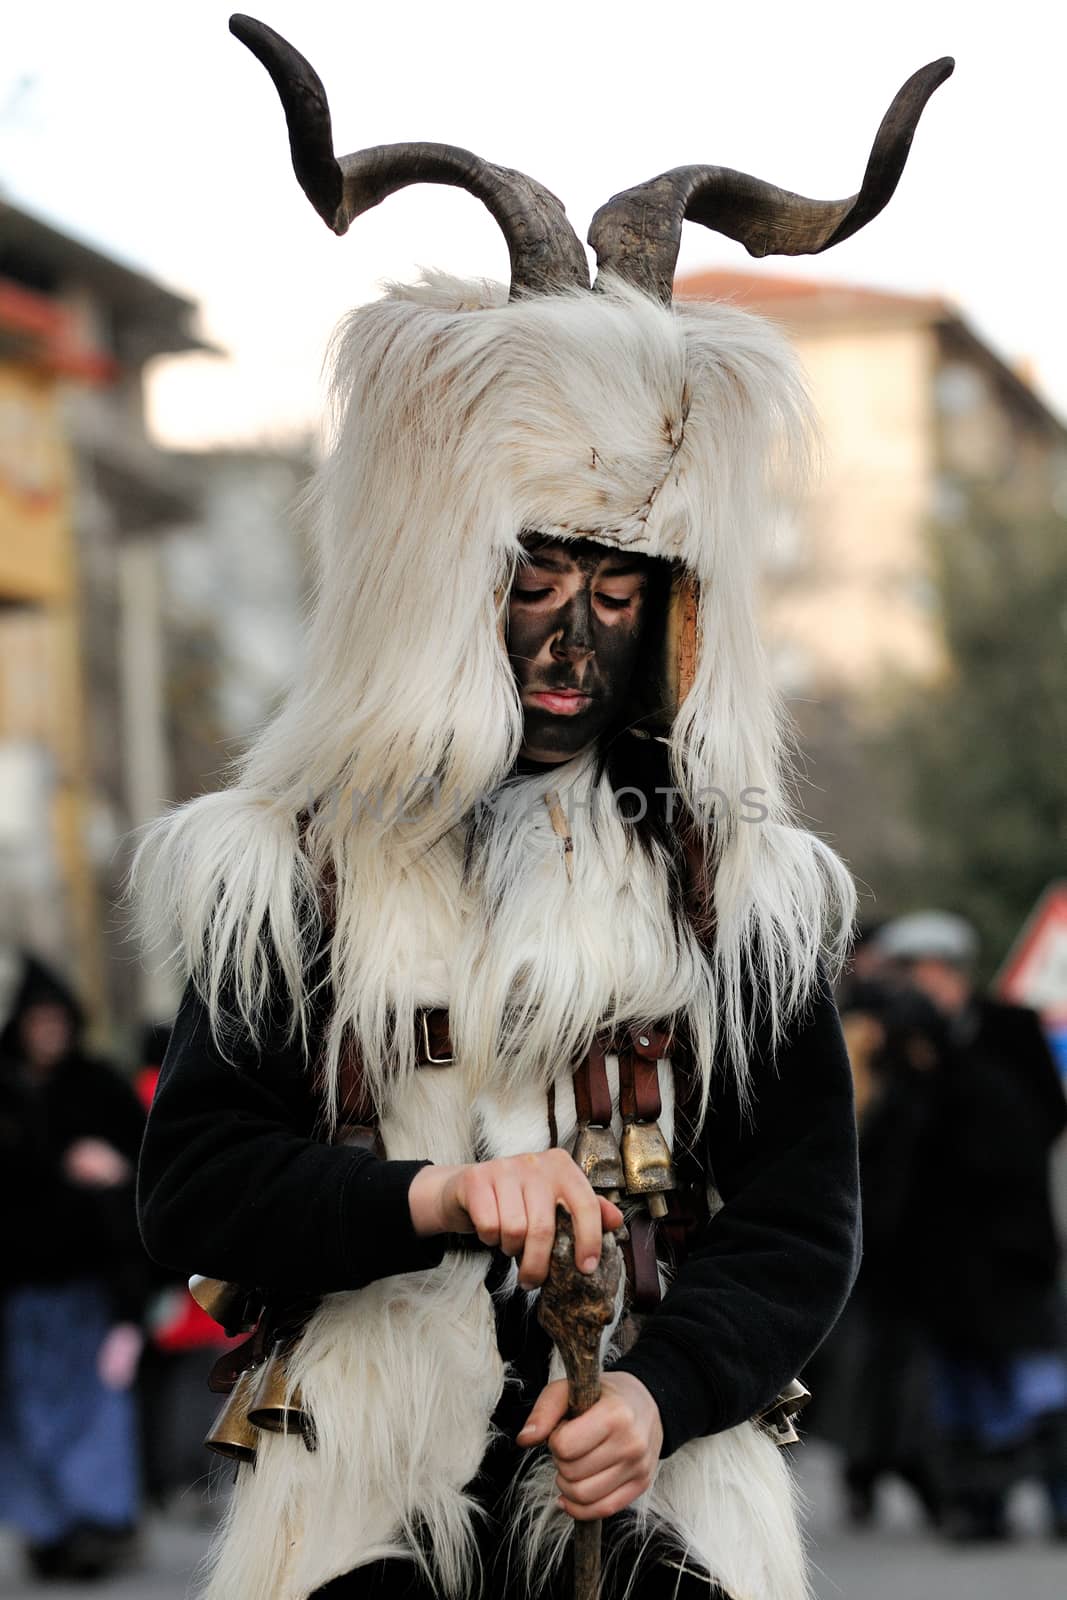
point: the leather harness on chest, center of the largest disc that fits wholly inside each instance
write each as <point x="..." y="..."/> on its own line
<point x="663" y="1198"/>
<point x="665" y="1195"/>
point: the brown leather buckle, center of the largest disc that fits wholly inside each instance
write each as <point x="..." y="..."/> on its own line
<point x="428" y="1057"/>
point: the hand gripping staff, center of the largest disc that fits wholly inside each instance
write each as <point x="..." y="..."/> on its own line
<point x="574" y="1309"/>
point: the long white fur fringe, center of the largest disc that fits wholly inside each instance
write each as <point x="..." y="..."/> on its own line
<point x="460" y="421"/>
<point x="402" y="1379"/>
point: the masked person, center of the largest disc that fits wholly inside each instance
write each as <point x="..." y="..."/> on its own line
<point x="511" y="875"/>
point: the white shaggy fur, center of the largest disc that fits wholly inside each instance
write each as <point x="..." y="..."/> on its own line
<point x="462" y="421"/>
<point x="550" y="958"/>
<point x="402" y="1379"/>
<point x="597" y="416"/>
<point x="727" y="1506"/>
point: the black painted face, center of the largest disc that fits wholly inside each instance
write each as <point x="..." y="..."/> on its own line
<point x="575" y="618"/>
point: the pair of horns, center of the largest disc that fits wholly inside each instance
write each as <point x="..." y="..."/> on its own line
<point x="636" y="235"/>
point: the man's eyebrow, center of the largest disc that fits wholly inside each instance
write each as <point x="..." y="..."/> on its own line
<point x="553" y="563"/>
<point x="624" y="570"/>
<point x="565" y="563"/>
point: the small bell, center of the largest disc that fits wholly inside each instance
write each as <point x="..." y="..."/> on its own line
<point x="647" y="1164"/>
<point x="795" y="1395"/>
<point x="234" y="1435"/>
<point x="782" y="1429"/>
<point x="228" y="1304"/>
<point x="277" y="1405"/>
<point x="779" y="1419"/>
<point x="596" y="1150"/>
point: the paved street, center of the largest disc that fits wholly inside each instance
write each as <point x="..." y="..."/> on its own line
<point x="897" y="1562"/>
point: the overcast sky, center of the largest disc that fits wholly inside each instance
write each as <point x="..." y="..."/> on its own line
<point x="148" y="130"/>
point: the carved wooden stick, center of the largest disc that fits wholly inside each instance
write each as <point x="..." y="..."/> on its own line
<point x="574" y="1309"/>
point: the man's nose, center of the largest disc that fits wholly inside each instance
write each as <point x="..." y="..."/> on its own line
<point x="573" y="640"/>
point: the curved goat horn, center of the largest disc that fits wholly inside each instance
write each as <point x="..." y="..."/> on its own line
<point x="546" y="253"/>
<point x="637" y="233"/>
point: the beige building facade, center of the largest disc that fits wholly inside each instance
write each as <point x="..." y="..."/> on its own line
<point x="84" y="498"/>
<point x="917" y="415"/>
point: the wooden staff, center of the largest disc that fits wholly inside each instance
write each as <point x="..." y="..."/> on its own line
<point x="574" y="1309"/>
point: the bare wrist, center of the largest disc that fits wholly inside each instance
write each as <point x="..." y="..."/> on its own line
<point x="426" y="1200"/>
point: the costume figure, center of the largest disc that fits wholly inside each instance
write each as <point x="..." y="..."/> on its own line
<point x="513" y="874"/>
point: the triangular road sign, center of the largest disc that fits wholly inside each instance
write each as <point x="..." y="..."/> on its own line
<point x="1035" y="971"/>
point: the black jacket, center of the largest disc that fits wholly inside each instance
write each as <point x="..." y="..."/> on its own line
<point x="234" y="1184"/>
<point x="55" y="1230"/>
<point x="987" y="1245"/>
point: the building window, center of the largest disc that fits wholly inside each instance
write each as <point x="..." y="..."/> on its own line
<point x="958" y="389"/>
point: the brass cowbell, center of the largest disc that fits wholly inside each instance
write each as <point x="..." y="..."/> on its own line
<point x="228" y="1304"/>
<point x="647" y="1165"/>
<point x="277" y="1405"/>
<point x="233" y="1434"/>
<point x="596" y="1150"/>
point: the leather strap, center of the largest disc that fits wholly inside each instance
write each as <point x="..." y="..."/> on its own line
<point x="592" y="1092"/>
<point x="639" y="1254"/>
<point x="433" y="1048"/>
<point x="354" y="1104"/>
<point x="249" y="1353"/>
<point x="361" y="1136"/>
<point x="699" y="888"/>
<point x="639" y="1096"/>
<point x="639" y="1050"/>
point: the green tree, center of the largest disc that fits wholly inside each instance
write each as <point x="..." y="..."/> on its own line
<point x="983" y="753"/>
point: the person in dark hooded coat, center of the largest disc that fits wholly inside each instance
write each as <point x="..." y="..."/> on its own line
<point x="72" y="1287"/>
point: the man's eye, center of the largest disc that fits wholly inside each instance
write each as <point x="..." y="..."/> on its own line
<point x="531" y="594"/>
<point x="612" y="602"/>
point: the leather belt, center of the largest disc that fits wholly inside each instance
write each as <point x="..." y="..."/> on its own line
<point x="433" y="1048"/>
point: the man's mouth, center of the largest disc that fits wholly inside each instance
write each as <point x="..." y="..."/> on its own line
<point x="561" y="702"/>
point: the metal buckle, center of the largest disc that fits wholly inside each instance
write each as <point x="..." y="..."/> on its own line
<point x="430" y="1059"/>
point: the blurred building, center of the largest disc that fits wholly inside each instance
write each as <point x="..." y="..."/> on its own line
<point x="84" y="498"/>
<point x="916" y="410"/>
<point x="235" y="581"/>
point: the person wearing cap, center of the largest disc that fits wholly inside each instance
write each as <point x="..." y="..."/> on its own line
<point x="990" y="1253"/>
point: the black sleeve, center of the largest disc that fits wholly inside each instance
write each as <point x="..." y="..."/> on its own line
<point x="1031" y="1054"/>
<point x="234" y="1184"/>
<point x="770" y="1274"/>
<point x="115" y="1112"/>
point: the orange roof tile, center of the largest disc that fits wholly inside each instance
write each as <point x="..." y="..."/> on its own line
<point x="806" y="297"/>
